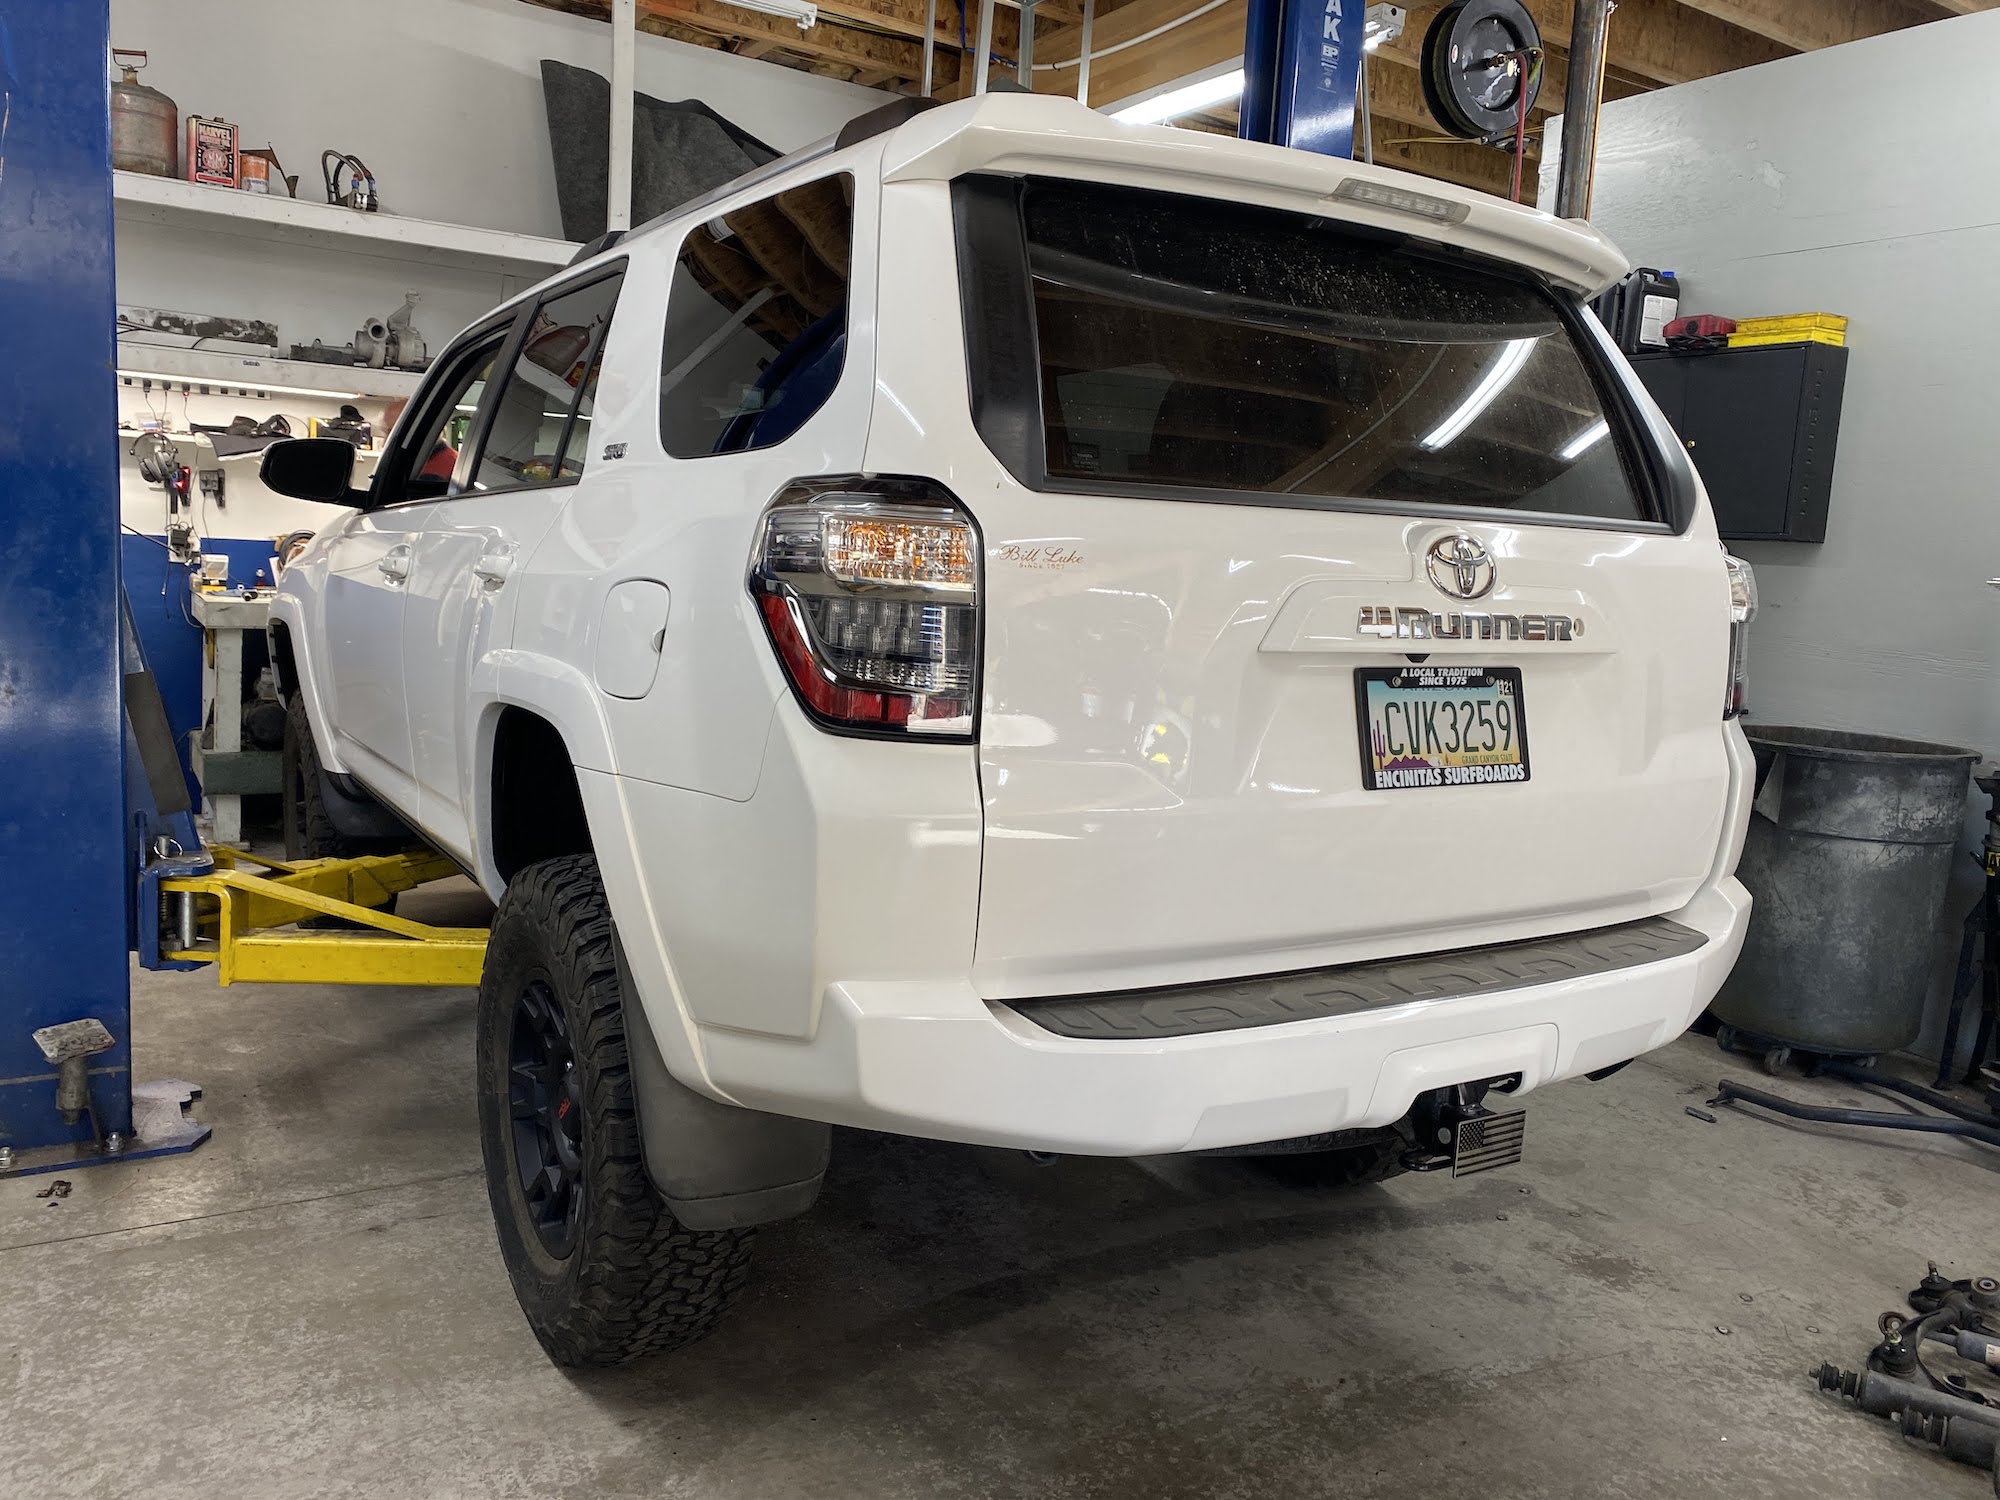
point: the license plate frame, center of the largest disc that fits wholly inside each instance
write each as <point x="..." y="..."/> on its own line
<point x="1419" y="772"/>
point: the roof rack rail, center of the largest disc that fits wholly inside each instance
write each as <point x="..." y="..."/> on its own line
<point x="876" y="121"/>
<point x="597" y="246"/>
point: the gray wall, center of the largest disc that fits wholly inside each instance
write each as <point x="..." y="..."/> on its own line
<point x="1862" y="180"/>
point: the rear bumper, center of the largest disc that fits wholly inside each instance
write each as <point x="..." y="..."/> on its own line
<point x="930" y="1059"/>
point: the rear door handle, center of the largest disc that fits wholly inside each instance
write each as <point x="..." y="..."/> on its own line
<point x="493" y="568"/>
<point x="395" y="563"/>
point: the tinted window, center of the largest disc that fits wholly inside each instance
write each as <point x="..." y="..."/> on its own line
<point x="541" y="422"/>
<point x="757" y="321"/>
<point x="1192" y="343"/>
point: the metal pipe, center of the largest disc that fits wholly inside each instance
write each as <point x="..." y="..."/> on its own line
<point x="187" y="922"/>
<point x="1361" y="107"/>
<point x="624" y="61"/>
<point x="930" y="43"/>
<point x="1589" y="24"/>
<point x="1024" y="51"/>
<point x="1083" y="57"/>
<point x="985" y="46"/>
<point x="1729" y="1091"/>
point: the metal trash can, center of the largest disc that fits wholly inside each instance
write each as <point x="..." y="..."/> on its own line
<point x="1849" y="852"/>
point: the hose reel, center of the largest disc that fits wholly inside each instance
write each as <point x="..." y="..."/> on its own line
<point x="1482" y="68"/>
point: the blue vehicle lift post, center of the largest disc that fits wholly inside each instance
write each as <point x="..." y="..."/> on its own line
<point x="69" y="846"/>
<point x="1301" y="69"/>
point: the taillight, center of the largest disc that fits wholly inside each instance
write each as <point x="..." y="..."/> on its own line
<point x="870" y="591"/>
<point x="1742" y="610"/>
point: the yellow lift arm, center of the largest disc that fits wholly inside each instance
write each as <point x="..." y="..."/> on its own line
<point x="239" y="919"/>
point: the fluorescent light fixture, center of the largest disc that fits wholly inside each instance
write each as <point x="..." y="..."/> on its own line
<point x="1382" y="23"/>
<point x="802" y="11"/>
<point x="1204" y="93"/>
<point x="237" y="385"/>
<point x="1584" y="441"/>
<point x="1513" y="355"/>
<point x="1401" y="201"/>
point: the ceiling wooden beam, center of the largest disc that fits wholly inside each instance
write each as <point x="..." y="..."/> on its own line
<point x="1966" y="7"/>
<point x="1811" y="24"/>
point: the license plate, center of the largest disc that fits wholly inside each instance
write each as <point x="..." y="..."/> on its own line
<point x="1440" y="726"/>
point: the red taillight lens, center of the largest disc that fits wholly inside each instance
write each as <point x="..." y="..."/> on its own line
<point x="869" y="589"/>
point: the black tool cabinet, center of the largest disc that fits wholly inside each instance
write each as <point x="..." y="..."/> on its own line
<point x="1760" y="425"/>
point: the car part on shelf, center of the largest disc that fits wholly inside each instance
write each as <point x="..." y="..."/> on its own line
<point x="381" y="343"/>
<point x="359" y="193"/>
<point x="261" y="167"/>
<point x="145" y="123"/>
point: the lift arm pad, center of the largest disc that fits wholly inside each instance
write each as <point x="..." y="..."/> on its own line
<point x="718" y="1166"/>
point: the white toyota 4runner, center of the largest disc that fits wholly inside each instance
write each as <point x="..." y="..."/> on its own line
<point x="1017" y="629"/>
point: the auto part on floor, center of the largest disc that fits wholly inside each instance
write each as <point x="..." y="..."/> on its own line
<point x="1986" y="1132"/>
<point x="1945" y="1411"/>
<point x="1847" y="858"/>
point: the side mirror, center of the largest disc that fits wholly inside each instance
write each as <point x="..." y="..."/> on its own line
<point x="310" y="469"/>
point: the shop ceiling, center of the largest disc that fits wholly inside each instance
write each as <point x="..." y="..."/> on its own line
<point x="879" y="44"/>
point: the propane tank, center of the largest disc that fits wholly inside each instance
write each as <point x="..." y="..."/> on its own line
<point x="145" y="123"/>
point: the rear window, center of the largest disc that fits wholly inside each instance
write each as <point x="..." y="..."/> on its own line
<point x="1186" y="343"/>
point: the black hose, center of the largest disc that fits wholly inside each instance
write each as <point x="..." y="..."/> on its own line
<point x="1834" y="1067"/>
<point x="1729" y="1091"/>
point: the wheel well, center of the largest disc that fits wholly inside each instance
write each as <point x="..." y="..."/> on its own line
<point x="283" y="664"/>
<point x="537" y="806"/>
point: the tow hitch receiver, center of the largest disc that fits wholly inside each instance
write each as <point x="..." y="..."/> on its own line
<point x="1455" y="1129"/>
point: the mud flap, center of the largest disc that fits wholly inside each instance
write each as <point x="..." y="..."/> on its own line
<point x="717" y="1166"/>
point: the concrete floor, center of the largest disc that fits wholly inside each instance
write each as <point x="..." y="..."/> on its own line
<point x="312" y="1304"/>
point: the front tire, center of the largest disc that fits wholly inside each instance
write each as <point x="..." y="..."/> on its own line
<point x="602" y="1269"/>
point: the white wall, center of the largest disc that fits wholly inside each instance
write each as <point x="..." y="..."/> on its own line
<point x="443" y="100"/>
<point x="1857" y="180"/>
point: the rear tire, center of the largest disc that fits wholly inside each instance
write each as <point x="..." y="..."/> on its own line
<point x="602" y="1269"/>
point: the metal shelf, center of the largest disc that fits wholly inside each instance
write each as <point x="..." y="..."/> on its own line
<point x="221" y="371"/>
<point x="144" y="199"/>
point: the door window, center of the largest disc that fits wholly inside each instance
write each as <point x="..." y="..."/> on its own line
<point x="540" y="429"/>
<point x="421" y="468"/>
<point x="757" y="321"/>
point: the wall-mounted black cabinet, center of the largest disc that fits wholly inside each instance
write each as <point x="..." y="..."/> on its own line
<point x="1760" y="425"/>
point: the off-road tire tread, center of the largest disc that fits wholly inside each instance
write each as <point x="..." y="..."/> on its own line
<point x="638" y="1282"/>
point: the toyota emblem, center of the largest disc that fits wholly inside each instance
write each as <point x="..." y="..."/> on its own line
<point x="1460" y="567"/>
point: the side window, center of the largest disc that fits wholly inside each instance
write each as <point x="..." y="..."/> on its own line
<point x="540" y="431"/>
<point x="421" y="468"/>
<point x="757" y="321"/>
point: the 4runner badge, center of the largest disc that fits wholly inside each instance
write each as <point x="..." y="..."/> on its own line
<point x="1395" y="623"/>
<point x="613" y="450"/>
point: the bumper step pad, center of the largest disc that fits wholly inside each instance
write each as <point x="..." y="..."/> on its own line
<point x="1312" y="994"/>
